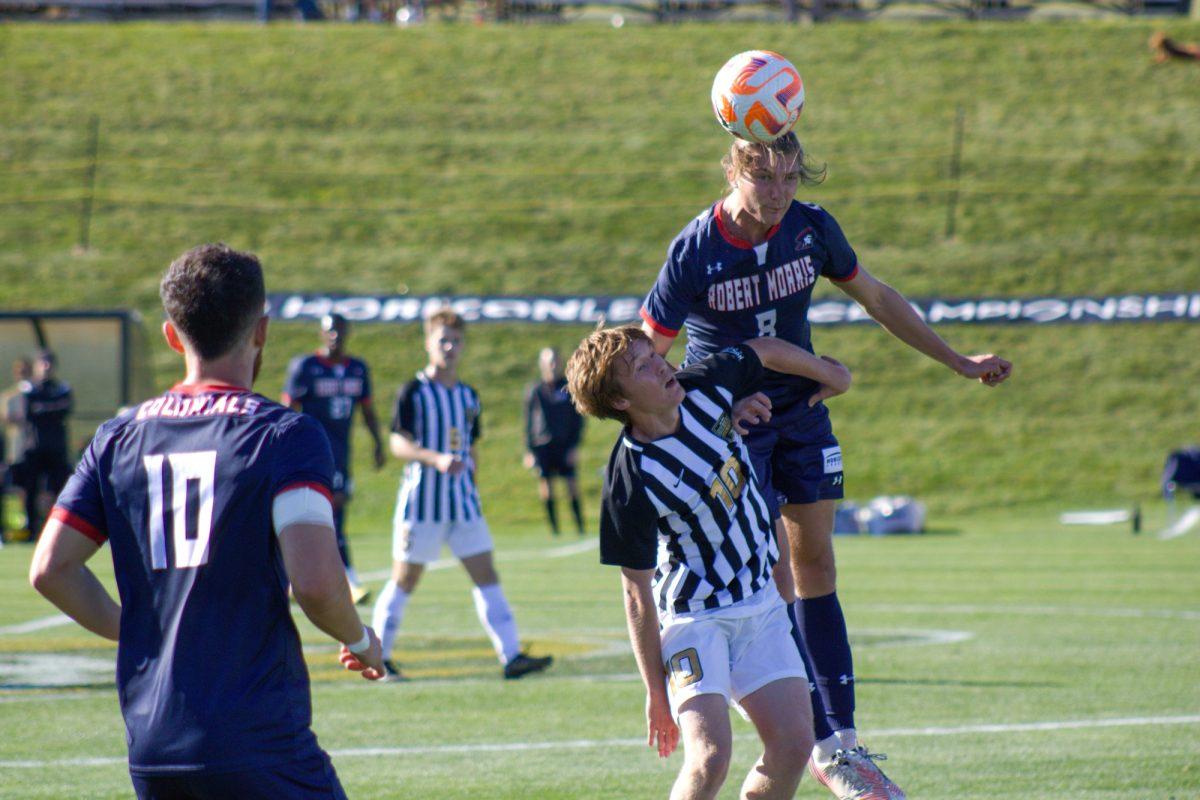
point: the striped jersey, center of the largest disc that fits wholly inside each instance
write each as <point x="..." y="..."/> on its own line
<point x="446" y="420"/>
<point x="687" y="505"/>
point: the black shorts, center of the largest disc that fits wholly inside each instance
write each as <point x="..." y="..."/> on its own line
<point x="311" y="778"/>
<point x="48" y="470"/>
<point x="551" y="462"/>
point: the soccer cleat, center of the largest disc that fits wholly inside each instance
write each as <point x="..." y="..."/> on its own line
<point x="523" y="664"/>
<point x="854" y="775"/>
<point x="392" y="673"/>
<point x="360" y="594"/>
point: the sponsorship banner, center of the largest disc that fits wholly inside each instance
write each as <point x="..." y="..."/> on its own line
<point x="589" y="310"/>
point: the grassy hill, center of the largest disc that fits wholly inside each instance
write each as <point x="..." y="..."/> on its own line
<point x="563" y="159"/>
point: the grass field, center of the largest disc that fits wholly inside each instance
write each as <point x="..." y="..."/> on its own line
<point x="999" y="656"/>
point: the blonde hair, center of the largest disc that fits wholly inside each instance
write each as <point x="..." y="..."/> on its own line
<point x="447" y="318"/>
<point x="592" y="370"/>
<point x="744" y="156"/>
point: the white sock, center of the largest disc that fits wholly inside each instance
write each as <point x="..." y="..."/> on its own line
<point x="848" y="738"/>
<point x="823" y="750"/>
<point x="497" y="619"/>
<point x="352" y="576"/>
<point x="389" y="611"/>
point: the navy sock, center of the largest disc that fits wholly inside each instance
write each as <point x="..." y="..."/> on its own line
<point x="824" y="630"/>
<point x="552" y="514"/>
<point x="821" y="727"/>
<point x="339" y="519"/>
<point x="578" y="512"/>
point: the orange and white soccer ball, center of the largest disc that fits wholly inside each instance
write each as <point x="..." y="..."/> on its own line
<point x="757" y="96"/>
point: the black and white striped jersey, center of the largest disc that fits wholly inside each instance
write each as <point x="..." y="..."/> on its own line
<point x="446" y="420"/>
<point x="688" y="505"/>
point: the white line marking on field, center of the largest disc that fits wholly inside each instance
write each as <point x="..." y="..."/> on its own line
<point x="584" y="744"/>
<point x="1182" y="525"/>
<point x="34" y="625"/>
<point x="1044" y="611"/>
<point x="562" y="551"/>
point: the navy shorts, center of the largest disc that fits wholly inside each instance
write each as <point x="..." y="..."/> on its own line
<point x="551" y="462"/>
<point x="311" y="778"/>
<point x="792" y="468"/>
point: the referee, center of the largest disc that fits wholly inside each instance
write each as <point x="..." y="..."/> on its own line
<point x="552" y="431"/>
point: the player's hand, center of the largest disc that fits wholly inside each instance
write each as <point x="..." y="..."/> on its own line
<point x="528" y="461"/>
<point x="370" y="663"/>
<point x="751" y="410"/>
<point x="380" y="456"/>
<point x="837" y="381"/>
<point x="450" y="464"/>
<point x="990" y="370"/>
<point x="661" y="731"/>
<point x="573" y="457"/>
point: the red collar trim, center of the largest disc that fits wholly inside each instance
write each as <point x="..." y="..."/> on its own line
<point x="326" y="361"/>
<point x="728" y="235"/>
<point x="202" y="388"/>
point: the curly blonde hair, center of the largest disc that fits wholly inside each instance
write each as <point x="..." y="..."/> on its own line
<point x="592" y="370"/>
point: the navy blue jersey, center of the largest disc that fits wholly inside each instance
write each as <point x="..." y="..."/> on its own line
<point x="726" y="291"/>
<point x="550" y="417"/>
<point x="47" y="405"/>
<point x="329" y="391"/>
<point x="209" y="667"/>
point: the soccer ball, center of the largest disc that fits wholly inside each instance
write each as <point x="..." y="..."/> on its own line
<point x="757" y="96"/>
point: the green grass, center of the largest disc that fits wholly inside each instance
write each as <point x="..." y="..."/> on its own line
<point x="1057" y="625"/>
<point x="521" y="159"/>
<point x="516" y="159"/>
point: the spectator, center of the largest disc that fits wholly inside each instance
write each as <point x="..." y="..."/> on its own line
<point x="12" y="418"/>
<point x="44" y="467"/>
<point x="552" y="431"/>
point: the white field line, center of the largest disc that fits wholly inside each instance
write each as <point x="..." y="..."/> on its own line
<point x="586" y="744"/>
<point x="1182" y="525"/>
<point x="562" y="551"/>
<point x="34" y="625"/>
<point x="1041" y="611"/>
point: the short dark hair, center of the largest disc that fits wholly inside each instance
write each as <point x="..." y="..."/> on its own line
<point x="214" y="295"/>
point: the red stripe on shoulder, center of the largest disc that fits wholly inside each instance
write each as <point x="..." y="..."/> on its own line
<point x="317" y="487"/>
<point x="853" y="274"/>
<point x="78" y="523"/>
<point x="656" y="327"/>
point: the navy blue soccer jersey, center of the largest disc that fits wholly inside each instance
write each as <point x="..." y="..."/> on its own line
<point x="209" y="668"/>
<point x="329" y="390"/>
<point x="726" y="291"/>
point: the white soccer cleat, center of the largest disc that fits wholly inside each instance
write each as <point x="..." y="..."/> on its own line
<point x="854" y="775"/>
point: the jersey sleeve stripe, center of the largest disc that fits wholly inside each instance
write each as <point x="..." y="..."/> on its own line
<point x="79" y="523"/>
<point x="853" y="274"/>
<point x="656" y="327"/>
<point x="314" y="485"/>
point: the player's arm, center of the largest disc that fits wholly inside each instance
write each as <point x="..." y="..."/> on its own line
<point x="642" y="619"/>
<point x="318" y="579"/>
<point x="405" y="448"/>
<point x="661" y="341"/>
<point x="59" y="572"/>
<point x="371" y="420"/>
<point x="889" y="308"/>
<point x="780" y="356"/>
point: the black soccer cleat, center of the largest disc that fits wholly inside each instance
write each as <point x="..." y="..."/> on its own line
<point x="391" y="673"/>
<point x="523" y="664"/>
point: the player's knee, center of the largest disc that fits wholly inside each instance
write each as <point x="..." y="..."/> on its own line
<point x="815" y="567"/>
<point x="708" y="764"/>
<point x="789" y="749"/>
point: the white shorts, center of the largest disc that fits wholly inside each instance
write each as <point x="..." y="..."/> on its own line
<point x="421" y="542"/>
<point x="729" y="656"/>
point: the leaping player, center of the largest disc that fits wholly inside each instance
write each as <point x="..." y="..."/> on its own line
<point x="744" y="268"/>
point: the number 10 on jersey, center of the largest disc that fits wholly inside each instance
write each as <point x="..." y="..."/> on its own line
<point x="193" y="476"/>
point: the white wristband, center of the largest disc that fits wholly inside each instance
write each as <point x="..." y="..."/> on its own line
<point x="362" y="645"/>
